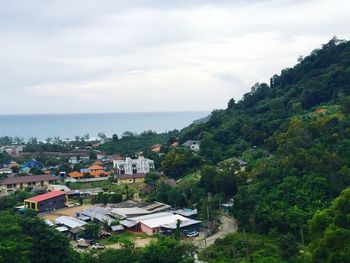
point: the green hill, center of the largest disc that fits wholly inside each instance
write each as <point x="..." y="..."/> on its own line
<point x="322" y="78"/>
<point x="295" y="135"/>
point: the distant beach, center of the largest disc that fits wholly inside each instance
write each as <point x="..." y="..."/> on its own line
<point x="70" y="125"/>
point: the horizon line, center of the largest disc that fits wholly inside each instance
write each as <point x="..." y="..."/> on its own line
<point x="86" y="113"/>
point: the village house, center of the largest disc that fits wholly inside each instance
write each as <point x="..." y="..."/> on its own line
<point x="5" y="171"/>
<point x="164" y="222"/>
<point x="58" y="187"/>
<point x="149" y="218"/>
<point x="156" y="148"/>
<point x="70" y="225"/>
<point x="47" y="202"/>
<point x="12" y="184"/>
<point x="141" y="165"/>
<point x="97" y="171"/>
<point x="130" y="178"/>
<point x="75" y="175"/>
<point x="194" y="145"/>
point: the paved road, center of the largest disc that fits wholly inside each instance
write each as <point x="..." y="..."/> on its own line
<point x="228" y="225"/>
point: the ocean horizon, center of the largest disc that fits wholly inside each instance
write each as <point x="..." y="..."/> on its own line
<point x="69" y="125"/>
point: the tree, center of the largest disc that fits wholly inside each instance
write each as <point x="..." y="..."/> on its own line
<point x="115" y="137"/>
<point x="330" y="232"/>
<point x="207" y="176"/>
<point x="167" y="250"/>
<point x="102" y="136"/>
<point x="14" y="245"/>
<point x="177" y="163"/>
<point x="151" y="179"/>
<point x="345" y="104"/>
<point x="122" y="255"/>
<point x="93" y="228"/>
<point x="49" y="245"/>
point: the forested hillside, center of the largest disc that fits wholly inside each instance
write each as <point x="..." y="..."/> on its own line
<point x="295" y="135"/>
<point x="323" y="77"/>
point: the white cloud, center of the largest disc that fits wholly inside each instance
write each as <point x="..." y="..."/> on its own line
<point x="59" y="56"/>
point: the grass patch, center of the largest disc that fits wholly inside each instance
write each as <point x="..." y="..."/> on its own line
<point x="117" y="238"/>
<point x="86" y="185"/>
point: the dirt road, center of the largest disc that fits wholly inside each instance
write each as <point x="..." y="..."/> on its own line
<point x="228" y="225"/>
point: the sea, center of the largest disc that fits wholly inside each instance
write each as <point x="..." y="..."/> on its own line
<point x="67" y="126"/>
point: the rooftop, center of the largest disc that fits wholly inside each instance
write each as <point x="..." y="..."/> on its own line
<point x="159" y="219"/>
<point x="70" y="222"/>
<point x="76" y="174"/>
<point x="46" y="196"/>
<point x="95" y="167"/>
<point x="29" y="179"/>
<point x="58" y="187"/>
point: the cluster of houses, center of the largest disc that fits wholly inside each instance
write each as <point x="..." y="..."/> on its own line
<point x="149" y="218"/>
<point x="124" y="171"/>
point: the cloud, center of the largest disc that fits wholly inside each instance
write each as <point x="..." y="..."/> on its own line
<point x="155" y="55"/>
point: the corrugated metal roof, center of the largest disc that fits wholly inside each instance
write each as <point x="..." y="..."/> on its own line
<point x="188" y="222"/>
<point x="117" y="228"/>
<point x="70" y="222"/>
<point x="159" y="219"/>
<point x="128" y="223"/>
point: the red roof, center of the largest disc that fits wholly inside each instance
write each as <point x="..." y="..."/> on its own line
<point x="46" y="196"/>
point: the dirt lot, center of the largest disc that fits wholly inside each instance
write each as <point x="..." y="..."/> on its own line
<point x="139" y="242"/>
<point x="68" y="211"/>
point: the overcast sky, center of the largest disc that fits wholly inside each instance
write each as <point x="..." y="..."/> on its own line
<point x="63" y="56"/>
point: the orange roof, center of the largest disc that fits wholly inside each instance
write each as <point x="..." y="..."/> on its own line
<point x="97" y="163"/>
<point x="99" y="173"/>
<point x="95" y="167"/>
<point x="76" y="174"/>
<point x="156" y="148"/>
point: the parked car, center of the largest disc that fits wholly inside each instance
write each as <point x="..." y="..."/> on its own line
<point x="192" y="234"/>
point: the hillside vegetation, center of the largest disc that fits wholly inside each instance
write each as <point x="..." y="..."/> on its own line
<point x="295" y="135"/>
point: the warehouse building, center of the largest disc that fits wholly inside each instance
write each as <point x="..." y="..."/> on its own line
<point x="47" y="202"/>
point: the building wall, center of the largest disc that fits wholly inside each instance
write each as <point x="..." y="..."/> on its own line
<point x="52" y="203"/>
<point x="148" y="230"/>
<point x="142" y="164"/>
<point x="139" y="180"/>
<point x="8" y="189"/>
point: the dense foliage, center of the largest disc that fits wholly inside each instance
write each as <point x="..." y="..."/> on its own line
<point x="28" y="239"/>
<point x="330" y="231"/>
<point x="294" y="134"/>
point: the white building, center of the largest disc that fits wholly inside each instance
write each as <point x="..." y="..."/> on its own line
<point x="193" y="145"/>
<point x="133" y="166"/>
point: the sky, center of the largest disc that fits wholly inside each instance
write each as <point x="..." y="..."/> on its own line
<point x="64" y="56"/>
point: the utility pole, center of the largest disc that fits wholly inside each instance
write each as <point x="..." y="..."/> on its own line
<point x="246" y="243"/>
<point x="206" y="249"/>
<point x="302" y="234"/>
<point x="209" y="231"/>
